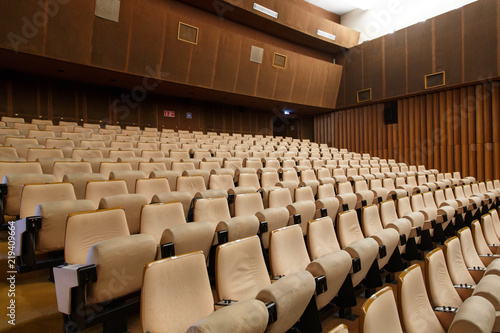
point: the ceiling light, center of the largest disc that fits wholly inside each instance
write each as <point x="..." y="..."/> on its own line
<point x="286" y="112"/>
<point x="265" y="10"/>
<point x="326" y="34"/>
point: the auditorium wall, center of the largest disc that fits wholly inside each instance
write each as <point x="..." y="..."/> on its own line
<point x="449" y="130"/>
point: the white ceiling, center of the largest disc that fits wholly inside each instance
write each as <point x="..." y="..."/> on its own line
<point x="341" y="7"/>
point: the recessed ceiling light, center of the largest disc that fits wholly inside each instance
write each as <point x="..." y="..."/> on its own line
<point x="326" y="34"/>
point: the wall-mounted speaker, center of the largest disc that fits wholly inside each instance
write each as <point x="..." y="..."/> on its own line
<point x="435" y="80"/>
<point x="364" y="95"/>
<point x="279" y="60"/>
<point x="391" y="112"/>
<point x="187" y="33"/>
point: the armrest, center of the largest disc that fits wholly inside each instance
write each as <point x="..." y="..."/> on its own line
<point x="67" y="277"/>
<point x="464" y="290"/>
<point x="416" y="232"/>
<point x="229" y="318"/>
<point x="476" y="272"/>
<point x="445" y="314"/>
<point x="487" y="259"/>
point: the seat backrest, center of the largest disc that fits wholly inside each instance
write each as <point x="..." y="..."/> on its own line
<point x="417" y="202"/>
<point x="211" y="210"/>
<point x="280" y="198"/>
<point x="79" y="181"/>
<point x="379" y="313"/>
<point x="438" y="281"/>
<point x="404" y="206"/>
<point x="34" y="153"/>
<point x="489" y="232"/>
<point x="151" y="186"/>
<point x="269" y="179"/>
<point x="344" y="188"/>
<point x="51" y="236"/>
<point x="62" y="168"/>
<point x="240" y="269"/>
<point x="79" y="154"/>
<point x="221" y="181"/>
<point x="287" y="251"/>
<point x="115" y="154"/>
<point x="184" y="300"/>
<point x="479" y="240"/>
<point x="131" y="204"/>
<point x="495" y="221"/>
<point x="178" y="154"/>
<point x="96" y="226"/>
<point x="360" y="185"/>
<point x="34" y="194"/>
<point x="321" y="238"/>
<point x="248" y="204"/>
<point x="307" y="175"/>
<point x="191" y="185"/>
<point x="7" y="168"/>
<point x="129" y="176"/>
<point x="348" y="228"/>
<point x="304" y="193"/>
<point x="469" y="252"/>
<point x="456" y="263"/>
<point x="183" y="197"/>
<point x="326" y="191"/>
<point x="157" y="217"/>
<point x="249" y="179"/>
<point x="290" y="175"/>
<point x="370" y="220"/>
<point x="98" y="189"/>
<point x="414" y="306"/>
<point x="106" y="168"/>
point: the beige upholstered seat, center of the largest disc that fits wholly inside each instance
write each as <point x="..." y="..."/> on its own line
<point x="15" y="183"/>
<point x="149" y="187"/>
<point x="220" y="181"/>
<point x="349" y="231"/>
<point x="21" y="167"/>
<point x="186" y="303"/>
<point x="131" y="204"/>
<point x="79" y="181"/>
<point x="379" y="313"/>
<point x="251" y="204"/>
<point x="61" y="168"/>
<point x="100" y="242"/>
<point x="288" y="255"/>
<point x="183" y="197"/>
<point x="50" y="236"/>
<point x="321" y="240"/>
<point x="96" y="190"/>
<point x="417" y="315"/>
<point x="129" y="176"/>
<point x="107" y="167"/>
<point x="191" y="185"/>
<point x="241" y="274"/>
<point x="34" y="194"/>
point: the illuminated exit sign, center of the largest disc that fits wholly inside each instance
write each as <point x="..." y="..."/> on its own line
<point x="170" y="114"/>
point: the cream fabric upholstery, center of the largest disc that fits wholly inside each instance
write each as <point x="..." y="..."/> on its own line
<point x="212" y="210"/>
<point x="34" y="194"/>
<point x="276" y="218"/>
<point x="455" y="262"/>
<point x="170" y="175"/>
<point x="184" y="197"/>
<point x="476" y="315"/>
<point x="129" y="176"/>
<point x="96" y="190"/>
<point x="249" y="316"/>
<point x="189" y="237"/>
<point x="155" y="218"/>
<point x="379" y="313"/>
<point x="149" y="187"/>
<point x="415" y="309"/>
<point x="441" y="290"/>
<point x="125" y="254"/>
<point x="290" y="308"/>
<point x="306" y="210"/>
<point x="61" y="169"/>
<point x="107" y="167"/>
<point x="132" y="205"/>
<point x="191" y="185"/>
<point x="79" y="181"/>
<point x="239" y="227"/>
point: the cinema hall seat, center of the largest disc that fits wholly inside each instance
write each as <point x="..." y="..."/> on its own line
<point x="79" y="181"/>
<point x="149" y="187"/>
<point x="97" y="189"/>
<point x="471" y="257"/>
<point x="417" y="314"/>
<point x="131" y="203"/>
<point x="97" y="245"/>
<point x="379" y="313"/>
<point x="186" y="302"/>
<point x="241" y="274"/>
<point x="44" y="233"/>
<point x="288" y="255"/>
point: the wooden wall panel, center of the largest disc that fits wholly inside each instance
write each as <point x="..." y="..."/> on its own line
<point x="268" y="75"/>
<point x="373" y="72"/>
<point x="67" y="33"/>
<point x="247" y="70"/>
<point x="395" y="63"/>
<point x="110" y="41"/>
<point x="480" y="54"/>
<point x="353" y="74"/>
<point x="448" y="45"/>
<point x="227" y="61"/>
<point x="419" y="55"/>
<point x="203" y="58"/>
<point x="453" y="130"/>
